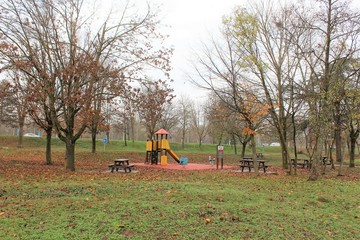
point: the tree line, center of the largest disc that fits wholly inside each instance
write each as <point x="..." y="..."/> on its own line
<point x="294" y="66"/>
<point x="63" y="61"/>
<point x="290" y="67"/>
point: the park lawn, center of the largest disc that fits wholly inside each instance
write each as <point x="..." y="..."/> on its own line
<point x="46" y="202"/>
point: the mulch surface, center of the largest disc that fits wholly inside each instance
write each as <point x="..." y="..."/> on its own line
<point x="188" y="167"/>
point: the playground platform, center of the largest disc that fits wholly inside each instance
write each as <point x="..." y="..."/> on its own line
<point x="188" y="167"/>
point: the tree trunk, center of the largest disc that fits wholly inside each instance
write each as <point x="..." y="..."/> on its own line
<point x="337" y="132"/>
<point x="243" y="149"/>
<point x="125" y="137"/>
<point x="108" y="136"/>
<point x="183" y="139"/>
<point x="132" y="125"/>
<point x="21" y="132"/>
<point x="254" y="157"/>
<point x="93" y="139"/>
<point x="294" y="134"/>
<point x="338" y="145"/>
<point x="340" y="168"/>
<point x="70" y="154"/>
<point x="354" y="134"/>
<point x="315" y="166"/>
<point x="48" y="146"/>
<point x="352" y="153"/>
<point x="235" y="146"/>
<point x="284" y="151"/>
<point x="293" y="168"/>
<point x="341" y="164"/>
<point x="331" y="155"/>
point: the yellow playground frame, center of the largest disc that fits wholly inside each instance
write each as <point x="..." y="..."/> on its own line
<point x="159" y="146"/>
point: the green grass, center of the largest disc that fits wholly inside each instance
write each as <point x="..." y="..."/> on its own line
<point x="177" y="207"/>
<point x="118" y="145"/>
<point x="46" y="202"/>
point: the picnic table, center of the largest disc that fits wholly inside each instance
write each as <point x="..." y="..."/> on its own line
<point x="307" y="163"/>
<point x="325" y="160"/>
<point x="249" y="163"/>
<point x="301" y="162"/>
<point x="122" y="163"/>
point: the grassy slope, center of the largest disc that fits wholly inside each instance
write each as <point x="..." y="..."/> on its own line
<point x="45" y="202"/>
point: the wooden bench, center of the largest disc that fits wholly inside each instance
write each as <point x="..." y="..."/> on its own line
<point x="301" y="162"/>
<point x="126" y="167"/>
<point x="261" y="166"/>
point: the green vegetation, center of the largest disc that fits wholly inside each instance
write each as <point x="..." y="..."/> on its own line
<point x="46" y="202"/>
<point x="136" y="146"/>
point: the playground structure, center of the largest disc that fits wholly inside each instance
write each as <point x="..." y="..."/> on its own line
<point x="159" y="146"/>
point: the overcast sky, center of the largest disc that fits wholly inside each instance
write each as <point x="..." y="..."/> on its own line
<point x="191" y="21"/>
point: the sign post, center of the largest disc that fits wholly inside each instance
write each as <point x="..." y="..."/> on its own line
<point x="105" y="142"/>
<point x="220" y="156"/>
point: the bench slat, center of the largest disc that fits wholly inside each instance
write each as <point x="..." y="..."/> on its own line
<point x="125" y="167"/>
<point x="264" y="167"/>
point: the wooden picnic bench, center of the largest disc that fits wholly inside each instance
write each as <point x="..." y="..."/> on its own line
<point x="249" y="163"/>
<point x="306" y="163"/>
<point x="301" y="162"/>
<point x="121" y="164"/>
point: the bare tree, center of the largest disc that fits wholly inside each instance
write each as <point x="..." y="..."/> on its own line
<point x="220" y="70"/>
<point x="184" y="111"/>
<point x="228" y="123"/>
<point x="199" y="122"/>
<point x="16" y="94"/>
<point x="218" y="118"/>
<point x="150" y="101"/>
<point x="12" y="108"/>
<point x="123" y="118"/>
<point x="66" y="58"/>
<point x="8" y="114"/>
<point x="262" y="34"/>
<point x="352" y="105"/>
<point x="170" y="117"/>
<point x="329" y="29"/>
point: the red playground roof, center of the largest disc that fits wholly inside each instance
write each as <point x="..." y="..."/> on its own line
<point x="161" y="131"/>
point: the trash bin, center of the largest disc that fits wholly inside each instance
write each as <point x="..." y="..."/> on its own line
<point x="183" y="161"/>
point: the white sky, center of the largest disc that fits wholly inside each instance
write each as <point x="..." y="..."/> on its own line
<point x="194" y="21"/>
<point x="191" y="21"/>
